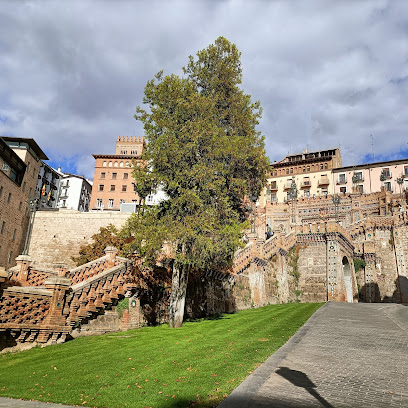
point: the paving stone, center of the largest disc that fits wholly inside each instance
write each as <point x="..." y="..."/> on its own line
<point x="346" y="355"/>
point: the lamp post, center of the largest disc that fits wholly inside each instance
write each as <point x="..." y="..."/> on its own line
<point x="400" y="182"/>
<point x="34" y="204"/>
<point x="336" y="202"/>
<point x="355" y="179"/>
<point x="253" y="199"/>
<point x="292" y="195"/>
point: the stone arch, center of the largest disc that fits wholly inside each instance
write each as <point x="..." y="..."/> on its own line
<point x="348" y="283"/>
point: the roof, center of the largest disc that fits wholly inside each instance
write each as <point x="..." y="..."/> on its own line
<point x="30" y="142"/>
<point x="368" y="165"/>
<point x="115" y="156"/>
<point x="310" y="152"/>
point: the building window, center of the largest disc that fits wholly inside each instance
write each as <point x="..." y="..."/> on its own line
<point x="360" y="189"/>
<point x="115" y="164"/>
<point x="387" y="186"/>
<point x="20" y="206"/>
<point x="64" y="203"/>
<point x="112" y="187"/>
<point x="133" y="152"/>
<point x="273" y="197"/>
<point x="306" y="193"/>
<point x="121" y="164"/>
<point x="104" y="164"/>
<point x="101" y="187"/>
<point x="406" y="170"/>
<point x="103" y="174"/>
<point x="386" y="172"/>
<point x="342" y="178"/>
<point x="124" y="187"/>
<point x="125" y="176"/>
<point x="321" y="166"/>
<point x="343" y="190"/>
<point x="5" y="167"/>
<point x="359" y="175"/>
<point x="326" y="166"/>
<point x="110" y="164"/>
<point x="110" y="203"/>
<point x="3" y="227"/>
<point x="127" y="164"/>
<point x="14" y="235"/>
<point x="10" y="257"/>
<point x="114" y="176"/>
<point x="123" y="152"/>
<point x="99" y="202"/>
<point x="9" y="198"/>
<point x="122" y="201"/>
<point x="24" y="186"/>
<point x="1" y="191"/>
<point x="287" y="171"/>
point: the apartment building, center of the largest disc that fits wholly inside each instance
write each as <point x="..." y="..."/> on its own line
<point x="113" y="184"/>
<point x="310" y="172"/>
<point x="75" y="192"/>
<point x="370" y="178"/>
<point x="48" y="185"/>
<point x="20" y="161"/>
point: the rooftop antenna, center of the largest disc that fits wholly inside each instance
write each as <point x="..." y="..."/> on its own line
<point x="372" y="147"/>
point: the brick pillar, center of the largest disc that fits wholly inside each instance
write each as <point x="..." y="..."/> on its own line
<point x="112" y="253"/>
<point x="61" y="269"/>
<point x="23" y="262"/>
<point x="3" y="275"/>
<point x="54" y="323"/>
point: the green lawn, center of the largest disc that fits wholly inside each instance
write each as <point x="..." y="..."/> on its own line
<point x="196" y="365"/>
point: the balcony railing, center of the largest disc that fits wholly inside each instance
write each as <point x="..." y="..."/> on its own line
<point x="339" y="181"/>
<point x="306" y="184"/>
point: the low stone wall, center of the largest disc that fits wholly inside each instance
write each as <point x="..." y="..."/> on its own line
<point x="58" y="235"/>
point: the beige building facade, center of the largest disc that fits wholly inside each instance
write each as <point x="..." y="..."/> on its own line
<point x="310" y="172"/>
<point x="113" y="184"/>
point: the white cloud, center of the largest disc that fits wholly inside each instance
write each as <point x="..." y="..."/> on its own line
<point x="326" y="73"/>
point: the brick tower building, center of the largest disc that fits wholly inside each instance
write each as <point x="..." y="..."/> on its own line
<point x="113" y="180"/>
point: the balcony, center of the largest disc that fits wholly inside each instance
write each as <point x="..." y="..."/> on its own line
<point x="306" y="184"/>
<point x="273" y="187"/>
<point x="386" y="175"/>
<point x="324" y="181"/>
<point x="341" y="181"/>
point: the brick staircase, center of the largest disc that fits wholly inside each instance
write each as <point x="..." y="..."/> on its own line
<point x="38" y="305"/>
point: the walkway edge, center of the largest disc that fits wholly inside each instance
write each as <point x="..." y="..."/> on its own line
<point x="242" y="395"/>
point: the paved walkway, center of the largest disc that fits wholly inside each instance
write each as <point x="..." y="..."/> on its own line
<point x="346" y="355"/>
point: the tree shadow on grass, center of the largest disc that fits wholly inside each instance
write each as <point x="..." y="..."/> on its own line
<point x="217" y="316"/>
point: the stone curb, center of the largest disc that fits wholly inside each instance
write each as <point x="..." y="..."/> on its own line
<point x="242" y="395"/>
<point x="18" y="403"/>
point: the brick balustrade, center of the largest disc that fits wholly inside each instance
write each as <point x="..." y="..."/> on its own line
<point x="63" y="299"/>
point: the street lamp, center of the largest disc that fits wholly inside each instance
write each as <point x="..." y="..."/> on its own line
<point x="400" y="182"/>
<point x="253" y="199"/>
<point x="292" y="195"/>
<point x="34" y="204"/>
<point x="336" y="202"/>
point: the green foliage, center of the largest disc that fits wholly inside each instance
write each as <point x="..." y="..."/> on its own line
<point x="107" y="236"/>
<point x="153" y="366"/>
<point x="122" y="306"/>
<point x="358" y="264"/>
<point x="293" y="258"/>
<point x="204" y="152"/>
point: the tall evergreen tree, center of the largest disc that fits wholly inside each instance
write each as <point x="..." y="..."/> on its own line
<point x="204" y="151"/>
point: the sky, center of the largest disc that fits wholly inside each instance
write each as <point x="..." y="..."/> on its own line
<point x="327" y="73"/>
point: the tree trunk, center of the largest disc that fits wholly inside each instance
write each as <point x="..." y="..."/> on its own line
<point x="178" y="295"/>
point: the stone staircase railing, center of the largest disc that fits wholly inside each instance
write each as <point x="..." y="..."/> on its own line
<point x="50" y="311"/>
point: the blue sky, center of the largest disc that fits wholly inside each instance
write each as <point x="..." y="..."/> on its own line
<point x="327" y="74"/>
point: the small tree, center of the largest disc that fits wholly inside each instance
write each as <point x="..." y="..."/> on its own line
<point x="107" y="236"/>
<point x="205" y="153"/>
